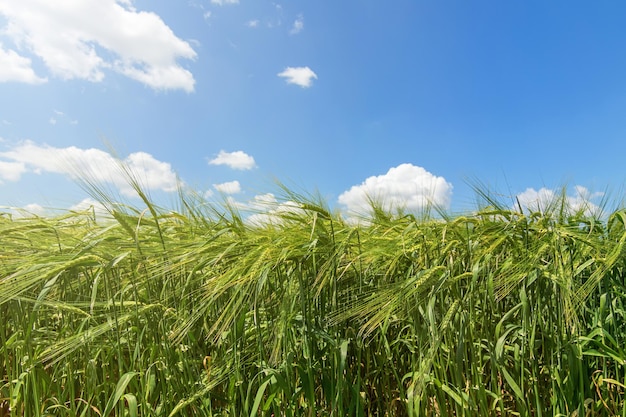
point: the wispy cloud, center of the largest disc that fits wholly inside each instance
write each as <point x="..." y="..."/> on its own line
<point x="17" y="68"/>
<point x="231" y="187"/>
<point x="302" y="76"/>
<point x="64" y="35"/>
<point x="223" y="2"/>
<point x="298" y="25"/>
<point x="405" y="186"/>
<point x="235" y="160"/>
<point x="92" y="163"/>
<point x="277" y="20"/>
<point x="252" y="23"/>
<point x="61" y="117"/>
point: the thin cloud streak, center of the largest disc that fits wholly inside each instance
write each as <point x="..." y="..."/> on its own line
<point x="223" y="2"/>
<point x="298" y="25"/>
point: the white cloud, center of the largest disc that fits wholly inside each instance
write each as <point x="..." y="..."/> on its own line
<point x="252" y="23"/>
<point x="235" y="160"/>
<point x="236" y="204"/>
<point x="60" y="117"/>
<point x="11" y="171"/>
<point x="14" y="67"/>
<point x="82" y="39"/>
<point x="545" y="199"/>
<point x="231" y="187"/>
<point x="534" y="200"/>
<point x="405" y="186"/>
<point x="267" y="210"/>
<point x="29" y="210"/>
<point x="207" y="15"/>
<point x="223" y="2"/>
<point x="93" y="164"/>
<point x="263" y="201"/>
<point x="298" y="25"/>
<point x="153" y="174"/>
<point x="302" y="76"/>
<point x="35" y="209"/>
<point x="84" y="204"/>
<point x="90" y="204"/>
<point x="584" y="193"/>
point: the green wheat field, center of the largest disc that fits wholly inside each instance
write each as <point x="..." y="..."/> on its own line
<point x="196" y="311"/>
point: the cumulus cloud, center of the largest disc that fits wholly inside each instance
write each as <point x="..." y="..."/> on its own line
<point x="235" y="160"/>
<point x="231" y="187"/>
<point x="302" y="76"/>
<point x="154" y="174"/>
<point x="405" y="186"/>
<point x="14" y="67"/>
<point x="82" y="39"/>
<point x="298" y="25"/>
<point x="545" y="200"/>
<point x="92" y="163"/>
<point x="223" y="2"/>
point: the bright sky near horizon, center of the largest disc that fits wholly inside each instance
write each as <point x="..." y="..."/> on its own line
<point x="406" y="100"/>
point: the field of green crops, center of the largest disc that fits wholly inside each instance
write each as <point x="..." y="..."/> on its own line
<point x="199" y="312"/>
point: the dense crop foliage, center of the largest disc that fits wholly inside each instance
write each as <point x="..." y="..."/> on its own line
<point x="201" y="313"/>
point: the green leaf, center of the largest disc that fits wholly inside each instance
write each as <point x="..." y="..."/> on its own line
<point x="259" y="396"/>
<point x="514" y="386"/>
<point x="119" y="391"/>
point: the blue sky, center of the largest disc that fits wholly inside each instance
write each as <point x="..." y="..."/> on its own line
<point x="405" y="100"/>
